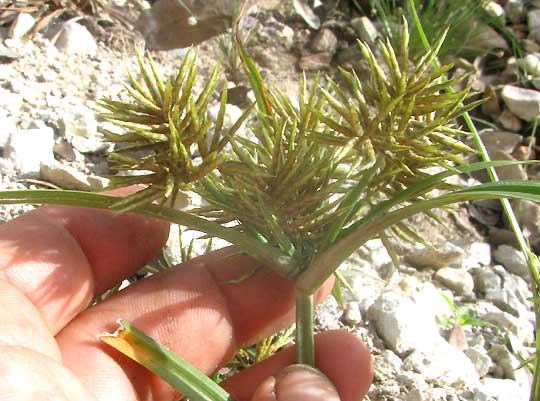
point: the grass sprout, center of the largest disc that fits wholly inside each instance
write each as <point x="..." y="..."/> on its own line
<point x="465" y="20"/>
<point x="462" y="315"/>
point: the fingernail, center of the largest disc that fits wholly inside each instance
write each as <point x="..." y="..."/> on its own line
<point x="266" y="390"/>
<point x="297" y="383"/>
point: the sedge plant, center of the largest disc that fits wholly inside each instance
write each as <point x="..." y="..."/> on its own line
<point x="317" y="178"/>
<point x="467" y="21"/>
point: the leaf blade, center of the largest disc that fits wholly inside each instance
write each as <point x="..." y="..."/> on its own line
<point x="164" y="363"/>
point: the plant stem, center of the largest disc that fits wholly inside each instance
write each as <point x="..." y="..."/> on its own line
<point x="535" y="389"/>
<point x="305" y="347"/>
<point x="507" y="207"/>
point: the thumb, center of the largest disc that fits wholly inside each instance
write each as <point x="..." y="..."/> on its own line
<point x="296" y="383"/>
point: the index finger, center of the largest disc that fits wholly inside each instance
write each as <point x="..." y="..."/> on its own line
<point x="61" y="257"/>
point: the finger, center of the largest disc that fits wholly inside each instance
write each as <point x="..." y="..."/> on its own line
<point x="340" y="355"/>
<point x="116" y="245"/>
<point x="27" y="375"/>
<point x="193" y="310"/>
<point x="60" y="257"/>
<point x="296" y="383"/>
<point x="22" y="325"/>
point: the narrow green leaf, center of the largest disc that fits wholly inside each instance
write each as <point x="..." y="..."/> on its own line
<point x="236" y="126"/>
<point x="208" y="91"/>
<point x="325" y="265"/>
<point x="164" y="363"/>
<point x="133" y="118"/>
<point x="329" y="139"/>
<point x="157" y="77"/>
<point x="389" y="248"/>
<point x="337" y="294"/>
<point x="138" y="88"/>
<point x="137" y="199"/>
<point x="425" y="186"/>
<point x="340" y="128"/>
<point x="284" y="242"/>
<point x="141" y="99"/>
<point x="347" y="206"/>
<point x="115" y="106"/>
<point x="269" y="256"/>
<point x="189" y="59"/>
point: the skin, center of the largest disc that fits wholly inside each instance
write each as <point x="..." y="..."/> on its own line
<point x="54" y="260"/>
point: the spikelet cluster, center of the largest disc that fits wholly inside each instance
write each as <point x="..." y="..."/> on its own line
<point x="315" y="167"/>
<point x="169" y="141"/>
<point x="311" y="167"/>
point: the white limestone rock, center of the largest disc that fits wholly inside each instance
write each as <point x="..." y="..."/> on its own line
<point x="442" y="255"/>
<point x="75" y="39"/>
<point x="22" y="25"/>
<point x="325" y="41"/>
<point x="500" y="140"/>
<point x="7" y="127"/>
<point x="480" y="359"/>
<point x="458" y="280"/>
<point x="476" y="254"/>
<point x="11" y="102"/>
<point x="366" y="30"/>
<point x="487" y="280"/>
<point x="513" y="260"/>
<point x="66" y="177"/>
<point x="80" y="129"/>
<point x="533" y="21"/>
<point x="27" y="149"/>
<point x="403" y="325"/>
<point x="492" y="389"/>
<point x="495" y="10"/>
<point x="431" y="298"/>
<point x="521" y="328"/>
<point x="444" y="364"/>
<point x="351" y="313"/>
<point x="530" y="64"/>
<point x="515" y="10"/>
<point x="524" y="103"/>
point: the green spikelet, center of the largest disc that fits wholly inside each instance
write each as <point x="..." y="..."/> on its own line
<point x="166" y="125"/>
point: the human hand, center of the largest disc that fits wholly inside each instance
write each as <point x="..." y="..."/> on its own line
<point x="54" y="260"/>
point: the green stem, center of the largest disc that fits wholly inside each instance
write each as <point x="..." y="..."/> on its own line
<point x="535" y="388"/>
<point x="305" y="347"/>
<point x="507" y="207"/>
